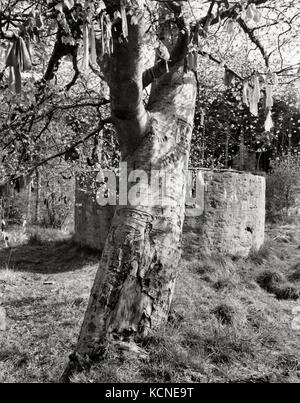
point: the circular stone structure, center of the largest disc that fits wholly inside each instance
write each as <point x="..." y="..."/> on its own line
<point x="231" y="222"/>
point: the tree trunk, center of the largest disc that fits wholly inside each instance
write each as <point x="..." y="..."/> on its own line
<point x="136" y="278"/>
<point x="135" y="281"/>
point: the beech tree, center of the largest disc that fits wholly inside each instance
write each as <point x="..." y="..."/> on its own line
<point x="134" y="285"/>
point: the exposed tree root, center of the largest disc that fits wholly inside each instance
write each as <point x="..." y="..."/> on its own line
<point x="77" y="363"/>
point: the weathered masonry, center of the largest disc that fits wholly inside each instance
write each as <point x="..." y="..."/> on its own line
<point x="233" y="220"/>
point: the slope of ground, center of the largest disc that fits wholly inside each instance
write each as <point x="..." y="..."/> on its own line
<point x="232" y="320"/>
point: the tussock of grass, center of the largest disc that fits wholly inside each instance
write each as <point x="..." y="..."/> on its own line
<point x="294" y="276"/>
<point x="225" y="314"/>
<point x="35" y="240"/>
<point x="7" y="275"/>
<point x="287" y="293"/>
<point x="288" y="363"/>
<point x="262" y="255"/>
<point x="269" y="280"/>
<point x="274" y="283"/>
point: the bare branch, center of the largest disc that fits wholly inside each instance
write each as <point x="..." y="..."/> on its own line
<point x="255" y="40"/>
<point x="93" y="133"/>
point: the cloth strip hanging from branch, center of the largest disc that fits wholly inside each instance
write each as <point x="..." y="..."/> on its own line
<point x="192" y="61"/>
<point x="85" y="62"/>
<point x="109" y="37"/>
<point x="18" y="60"/>
<point x="269" y="122"/>
<point x="228" y="77"/>
<point x="92" y="39"/>
<point x="269" y="97"/>
<point x="124" y="19"/>
<point x="107" y="46"/>
<point x="164" y="54"/>
<point x="102" y="33"/>
<point x="246" y="92"/>
<point x="202" y="120"/>
<point x="254" y="95"/>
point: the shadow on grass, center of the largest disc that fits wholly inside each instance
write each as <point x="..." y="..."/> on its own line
<point x="48" y="257"/>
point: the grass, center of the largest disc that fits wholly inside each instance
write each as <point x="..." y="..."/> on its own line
<point x="226" y="322"/>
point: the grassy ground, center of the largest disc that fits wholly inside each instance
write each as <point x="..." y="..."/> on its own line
<point x="231" y="319"/>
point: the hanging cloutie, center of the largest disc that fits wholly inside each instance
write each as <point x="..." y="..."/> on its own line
<point x="275" y="79"/>
<point x="192" y="61"/>
<point x="269" y="122"/>
<point x="254" y="96"/>
<point x="228" y="77"/>
<point x="124" y="19"/>
<point x="102" y="34"/>
<point x="107" y="45"/>
<point x="253" y="13"/>
<point x="108" y="34"/>
<point x="256" y="91"/>
<point x="92" y="39"/>
<point x="246" y="90"/>
<point x="202" y="121"/>
<point x="12" y="81"/>
<point x="12" y="63"/>
<point x="271" y="82"/>
<point x="249" y="13"/>
<point x="269" y="96"/>
<point x="85" y="63"/>
<point x="29" y="50"/>
<point x="164" y="54"/>
<point x="231" y="26"/>
<point x="18" y="60"/>
<point x="23" y="55"/>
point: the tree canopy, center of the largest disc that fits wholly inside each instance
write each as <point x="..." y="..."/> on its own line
<point x="54" y="98"/>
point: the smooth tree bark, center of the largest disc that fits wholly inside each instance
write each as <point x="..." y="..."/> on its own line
<point x="135" y="281"/>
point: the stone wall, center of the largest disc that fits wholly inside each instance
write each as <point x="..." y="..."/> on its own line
<point x="233" y="221"/>
<point x="92" y="222"/>
<point x="234" y="213"/>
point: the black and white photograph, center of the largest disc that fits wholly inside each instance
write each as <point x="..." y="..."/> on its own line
<point x="149" y="194"/>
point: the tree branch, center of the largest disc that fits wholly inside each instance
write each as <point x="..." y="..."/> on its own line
<point x="215" y="60"/>
<point x="162" y="67"/>
<point x="255" y="40"/>
<point x="72" y="147"/>
<point x="228" y="13"/>
<point x="123" y="71"/>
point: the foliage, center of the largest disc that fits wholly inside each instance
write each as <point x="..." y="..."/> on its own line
<point x="57" y="199"/>
<point x="61" y="100"/>
<point x="283" y="185"/>
<point x="223" y="123"/>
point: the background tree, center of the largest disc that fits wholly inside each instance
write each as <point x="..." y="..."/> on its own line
<point x="283" y="186"/>
<point x="220" y="121"/>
